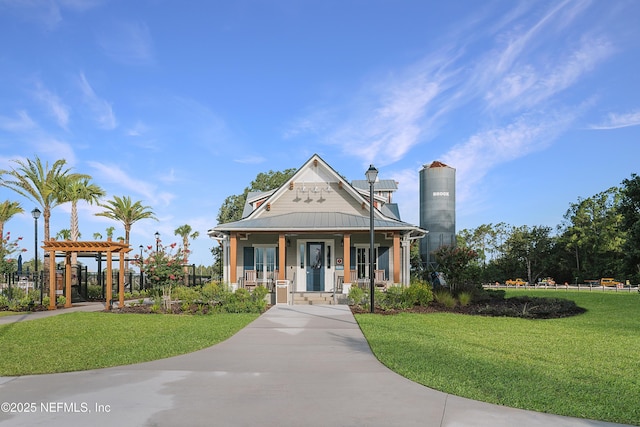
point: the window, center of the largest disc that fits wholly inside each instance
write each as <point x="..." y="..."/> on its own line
<point x="265" y="261"/>
<point x="362" y="261"/>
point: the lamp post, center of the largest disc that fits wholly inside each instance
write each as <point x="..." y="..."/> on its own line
<point x="372" y="175"/>
<point x="157" y="241"/>
<point x="35" y="213"/>
<point x="141" y="272"/>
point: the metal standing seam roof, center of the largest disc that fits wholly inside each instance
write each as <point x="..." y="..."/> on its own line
<point x="380" y="185"/>
<point x="301" y="221"/>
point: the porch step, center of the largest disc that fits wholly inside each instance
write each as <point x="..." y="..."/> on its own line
<point x="316" y="298"/>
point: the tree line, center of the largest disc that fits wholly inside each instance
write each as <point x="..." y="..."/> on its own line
<point x="51" y="185"/>
<point x="599" y="236"/>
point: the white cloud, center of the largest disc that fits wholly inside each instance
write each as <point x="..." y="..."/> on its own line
<point x="21" y="123"/>
<point x="616" y="121"/>
<point x="102" y="109"/>
<point x="48" y="13"/>
<point x="129" y="43"/>
<point x="113" y="174"/>
<point x="250" y="160"/>
<point x="53" y="104"/>
<point x="489" y="149"/>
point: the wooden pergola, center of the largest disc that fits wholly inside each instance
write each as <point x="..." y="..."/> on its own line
<point x="86" y="248"/>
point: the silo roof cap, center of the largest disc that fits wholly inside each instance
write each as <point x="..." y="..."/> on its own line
<point x="437" y="164"/>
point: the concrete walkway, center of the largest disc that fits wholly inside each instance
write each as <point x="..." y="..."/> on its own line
<point x="293" y="366"/>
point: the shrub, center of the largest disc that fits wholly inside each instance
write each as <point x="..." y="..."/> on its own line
<point x="356" y="296"/>
<point x="186" y="294"/>
<point x="419" y="293"/>
<point x="94" y="292"/>
<point x="394" y="298"/>
<point x="445" y="298"/>
<point x="465" y="298"/>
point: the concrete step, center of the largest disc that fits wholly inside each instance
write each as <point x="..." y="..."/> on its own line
<point x="311" y="298"/>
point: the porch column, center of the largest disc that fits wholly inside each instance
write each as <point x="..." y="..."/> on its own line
<point x="67" y="279"/>
<point x="233" y="257"/>
<point x="109" y="287"/>
<point x="121" y="281"/>
<point x="396" y="257"/>
<point x="52" y="280"/>
<point x="346" y="255"/>
<point x="282" y="249"/>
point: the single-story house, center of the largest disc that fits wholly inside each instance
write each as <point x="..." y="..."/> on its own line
<point x="313" y="233"/>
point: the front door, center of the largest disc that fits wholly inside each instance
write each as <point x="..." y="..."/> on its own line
<point x="315" y="270"/>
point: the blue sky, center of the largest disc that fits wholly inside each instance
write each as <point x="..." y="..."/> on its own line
<point x="180" y="104"/>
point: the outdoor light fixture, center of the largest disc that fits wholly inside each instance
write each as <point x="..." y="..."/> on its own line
<point x="141" y="272"/>
<point x="35" y="213"/>
<point x="157" y="241"/>
<point x="372" y="175"/>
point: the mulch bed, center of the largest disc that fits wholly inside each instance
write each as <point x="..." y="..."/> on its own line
<point x="524" y="307"/>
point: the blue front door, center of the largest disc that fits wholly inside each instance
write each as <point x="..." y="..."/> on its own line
<point x="315" y="266"/>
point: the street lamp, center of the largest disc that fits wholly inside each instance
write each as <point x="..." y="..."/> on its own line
<point x="157" y="241"/>
<point x="141" y="272"/>
<point x="372" y="175"/>
<point x="35" y="213"/>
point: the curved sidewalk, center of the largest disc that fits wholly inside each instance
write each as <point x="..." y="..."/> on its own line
<point x="293" y="366"/>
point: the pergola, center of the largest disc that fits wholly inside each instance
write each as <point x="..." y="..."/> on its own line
<point x="83" y="249"/>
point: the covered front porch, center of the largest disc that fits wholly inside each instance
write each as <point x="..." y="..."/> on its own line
<point x="313" y="262"/>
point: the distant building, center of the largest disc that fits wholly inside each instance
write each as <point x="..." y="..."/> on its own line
<point x="437" y="209"/>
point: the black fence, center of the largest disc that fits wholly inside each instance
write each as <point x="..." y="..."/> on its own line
<point x="85" y="285"/>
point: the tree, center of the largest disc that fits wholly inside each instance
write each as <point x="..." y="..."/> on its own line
<point x="39" y="183"/>
<point x="531" y="246"/>
<point x="592" y="232"/>
<point x="64" y="234"/>
<point x="232" y="207"/>
<point x="123" y="210"/>
<point x="184" y="231"/>
<point x="629" y="208"/>
<point x="8" y="210"/>
<point x="73" y="190"/>
<point x="455" y="264"/>
<point x="97" y="236"/>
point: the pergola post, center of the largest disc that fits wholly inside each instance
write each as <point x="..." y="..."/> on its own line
<point x="121" y="281"/>
<point x="109" y="293"/>
<point x="52" y="280"/>
<point x="67" y="276"/>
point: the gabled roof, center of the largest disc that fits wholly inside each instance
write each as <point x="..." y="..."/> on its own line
<point x="262" y="211"/>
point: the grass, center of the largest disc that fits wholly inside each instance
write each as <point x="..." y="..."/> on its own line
<point x="80" y="341"/>
<point x="586" y="366"/>
<point x="9" y="313"/>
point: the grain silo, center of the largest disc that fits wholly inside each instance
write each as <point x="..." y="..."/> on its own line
<point x="437" y="209"/>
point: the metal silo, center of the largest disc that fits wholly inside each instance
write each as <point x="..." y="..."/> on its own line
<point x="437" y="209"/>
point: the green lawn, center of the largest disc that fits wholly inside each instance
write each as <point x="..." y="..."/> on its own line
<point x="586" y="366"/>
<point x="79" y="341"/>
<point x="9" y="313"/>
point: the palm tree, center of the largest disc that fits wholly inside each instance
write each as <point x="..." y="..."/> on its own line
<point x="73" y="190"/>
<point x="97" y="236"/>
<point x="39" y="183"/>
<point x="64" y="234"/>
<point x="123" y="210"/>
<point x="184" y="231"/>
<point x="7" y="210"/>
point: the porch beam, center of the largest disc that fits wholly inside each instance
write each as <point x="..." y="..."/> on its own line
<point x="233" y="257"/>
<point x="346" y="255"/>
<point x="396" y="257"/>
<point x="282" y="249"/>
